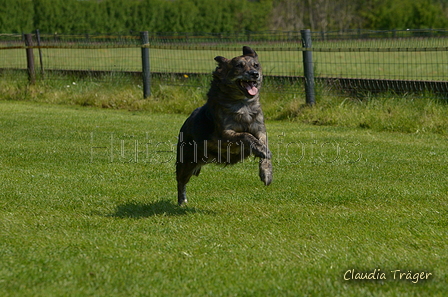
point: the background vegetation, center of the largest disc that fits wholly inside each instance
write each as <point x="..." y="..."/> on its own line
<point x="382" y="112"/>
<point x="111" y="16"/>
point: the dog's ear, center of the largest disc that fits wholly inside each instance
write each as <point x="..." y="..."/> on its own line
<point x="247" y="51"/>
<point x="221" y="60"/>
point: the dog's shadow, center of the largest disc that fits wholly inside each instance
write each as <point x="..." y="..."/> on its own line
<point x="138" y="210"/>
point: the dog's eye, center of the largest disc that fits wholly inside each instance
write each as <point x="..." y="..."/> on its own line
<point x="256" y="65"/>
<point x="240" y="65"/>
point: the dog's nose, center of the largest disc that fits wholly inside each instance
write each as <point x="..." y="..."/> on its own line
<point x="254" y="73"/>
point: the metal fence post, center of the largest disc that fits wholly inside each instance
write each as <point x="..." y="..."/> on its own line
<point x="146" y="74"/>
<point x="308" y="66"/>
<point x="30" y="58"/>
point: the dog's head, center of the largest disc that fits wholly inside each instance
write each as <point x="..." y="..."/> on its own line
<point x="241" y="75"/>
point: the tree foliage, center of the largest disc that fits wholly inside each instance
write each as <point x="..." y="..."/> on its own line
<point x="407" y="14"/>
<point x="110" y="16"/>
<point x="325" y="15"/>
<point x="16" y="16"/>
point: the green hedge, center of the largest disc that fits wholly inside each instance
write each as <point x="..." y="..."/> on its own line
<point x="120" y="16"/>
<point x="110" y="16"/>
<point x="407" y="14"/>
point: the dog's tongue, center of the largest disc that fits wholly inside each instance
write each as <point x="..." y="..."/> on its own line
<point x="251" y="89"/>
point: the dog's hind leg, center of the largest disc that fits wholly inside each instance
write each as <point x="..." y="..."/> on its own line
<point x="184" y="171"/>
<point x="181" y="193"/>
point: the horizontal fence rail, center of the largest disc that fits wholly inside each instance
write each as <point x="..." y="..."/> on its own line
<point x="347" y="64"/>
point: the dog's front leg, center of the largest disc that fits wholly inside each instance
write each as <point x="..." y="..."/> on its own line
<point x="265" y="165"/>
<point x="259" y="148"/>
<point x="265" y="171"/>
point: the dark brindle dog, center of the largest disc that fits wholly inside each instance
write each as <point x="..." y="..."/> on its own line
<point x="229" y="127"/>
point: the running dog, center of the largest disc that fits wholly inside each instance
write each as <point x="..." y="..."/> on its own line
<point x="229" y="127"/>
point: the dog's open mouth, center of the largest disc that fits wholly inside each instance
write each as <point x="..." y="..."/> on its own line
<point x="249" y="86"/>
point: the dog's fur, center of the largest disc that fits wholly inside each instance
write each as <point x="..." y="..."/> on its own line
<point x="230" y="126"/>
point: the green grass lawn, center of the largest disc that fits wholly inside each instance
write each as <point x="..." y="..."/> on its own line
<point x="88" y="208"/>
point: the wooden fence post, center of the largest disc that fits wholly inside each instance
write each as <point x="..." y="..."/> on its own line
<point x="30" y="58"/>
<point x="146" y="72"/>
<point x="308" y="66"/>
<point x="40" y="53"/>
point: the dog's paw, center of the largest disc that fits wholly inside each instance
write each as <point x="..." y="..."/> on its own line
<point x="182" y="201"/>
<point x="181" y="195"/>
<point x="265" y="171"/>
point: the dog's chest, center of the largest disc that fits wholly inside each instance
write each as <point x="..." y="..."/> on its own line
<point x="243" y="117"/>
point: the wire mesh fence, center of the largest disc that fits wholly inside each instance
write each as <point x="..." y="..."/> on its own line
<point x="344" y="63"/>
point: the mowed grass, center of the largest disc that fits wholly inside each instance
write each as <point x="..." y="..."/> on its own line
<point x="88" y="208"/>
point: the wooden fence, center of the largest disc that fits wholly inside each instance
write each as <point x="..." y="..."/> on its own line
<point x="348" y="64"/>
